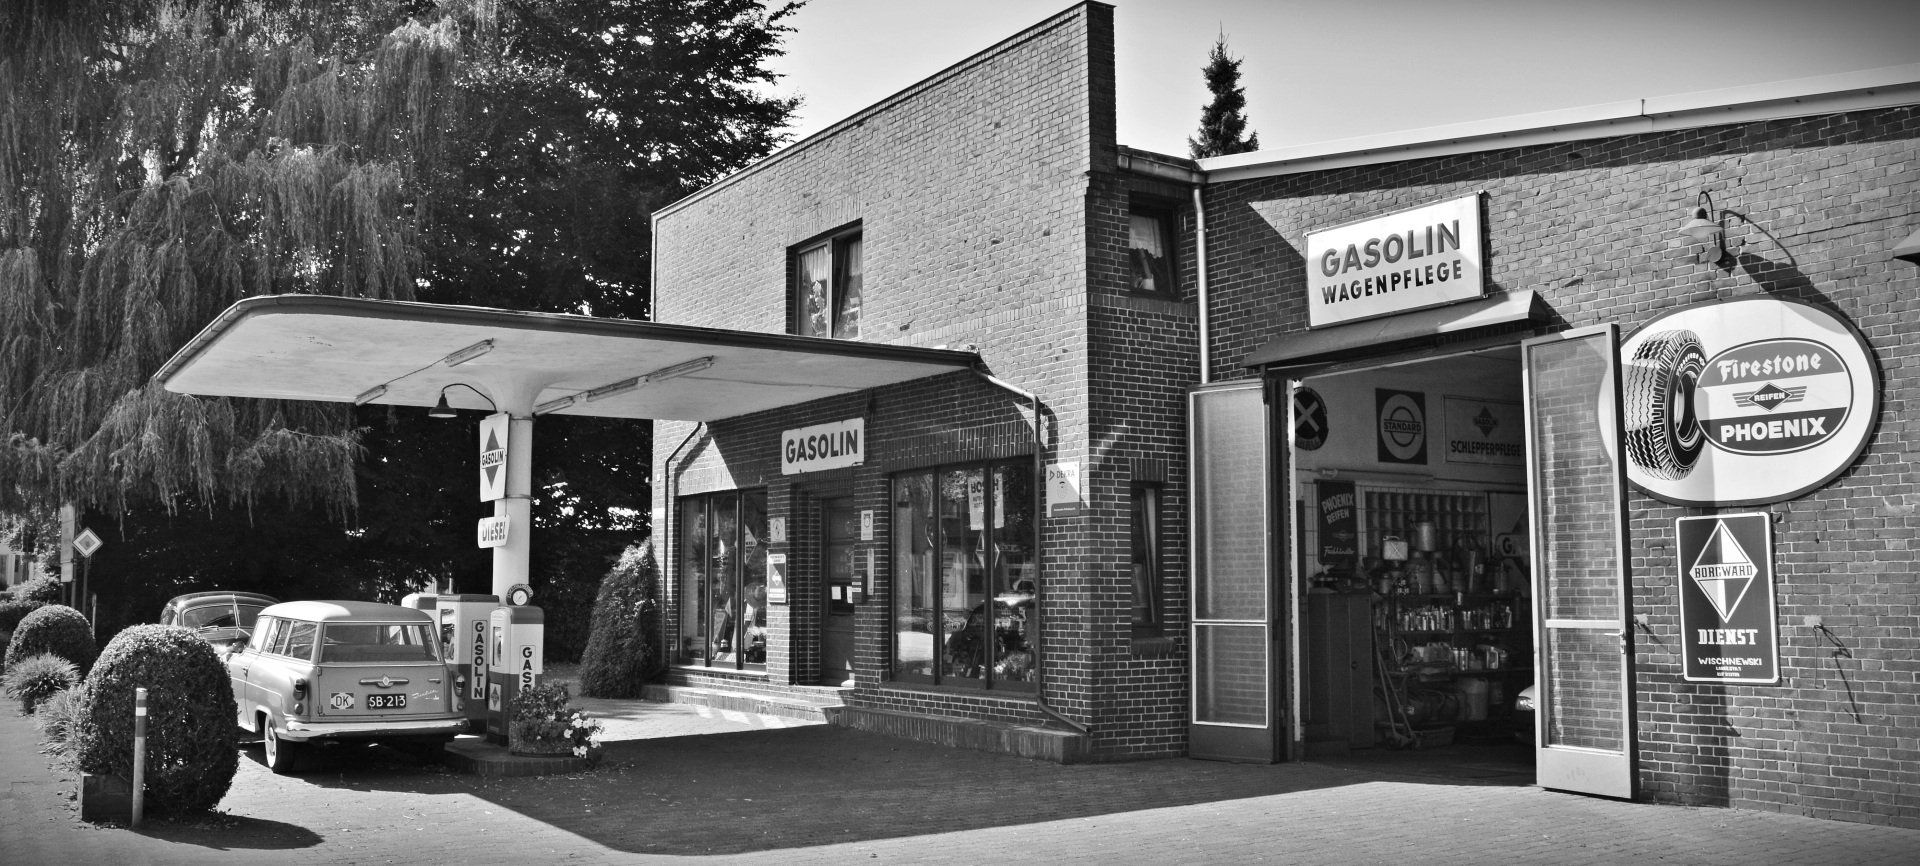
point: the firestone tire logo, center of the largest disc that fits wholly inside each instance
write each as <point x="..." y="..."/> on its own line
<point x="1744" y="402"/>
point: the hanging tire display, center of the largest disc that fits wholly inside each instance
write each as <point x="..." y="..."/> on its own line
<point x="1663" y="433"/>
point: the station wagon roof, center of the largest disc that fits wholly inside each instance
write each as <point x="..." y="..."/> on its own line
<point x="221" y="593"/>
<point x="328" y="611"/>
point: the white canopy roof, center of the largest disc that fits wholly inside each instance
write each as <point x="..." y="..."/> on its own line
<point x="315" y="347"/>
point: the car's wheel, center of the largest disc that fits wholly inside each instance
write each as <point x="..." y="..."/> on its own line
<point x="283" y="756"/>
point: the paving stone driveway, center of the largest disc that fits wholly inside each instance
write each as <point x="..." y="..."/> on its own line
<point x="681" y="782"/>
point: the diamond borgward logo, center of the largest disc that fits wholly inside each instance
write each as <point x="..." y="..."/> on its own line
<point x="1723" y="572"/>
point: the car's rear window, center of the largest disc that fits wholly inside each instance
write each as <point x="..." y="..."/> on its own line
<point x="211" y="616"/>
<point x="379" y="642"/>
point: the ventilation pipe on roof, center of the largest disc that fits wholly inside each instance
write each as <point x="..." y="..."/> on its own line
<point x="1040" y="576"/>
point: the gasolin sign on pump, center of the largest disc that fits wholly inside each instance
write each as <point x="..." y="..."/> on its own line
<point x="1744" y="402"/>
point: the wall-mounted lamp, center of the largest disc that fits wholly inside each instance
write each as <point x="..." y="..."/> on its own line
<point x="442" y="410"/>
<point x="1909" y="250"/>
<point x="1709" y="227"/>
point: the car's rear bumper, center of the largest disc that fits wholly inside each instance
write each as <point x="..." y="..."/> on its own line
<point x="373" y="730"/>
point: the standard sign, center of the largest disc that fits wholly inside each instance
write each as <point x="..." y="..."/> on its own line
<point x="1745" y="402"/>
<point x="493" y="457"/>
<point x="1404" y="261"/>
<point x="823" y="446"/>
<point x="493" y="531"/>
<point x="1728" y="628"/>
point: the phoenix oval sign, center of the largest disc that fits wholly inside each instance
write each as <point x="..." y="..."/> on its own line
<point x="1745" y="402"/>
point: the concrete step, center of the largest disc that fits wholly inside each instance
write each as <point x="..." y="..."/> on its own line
<point x="1027" y="741"/>
<point x="808" y="704"/>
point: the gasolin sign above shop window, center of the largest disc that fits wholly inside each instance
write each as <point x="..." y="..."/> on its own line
<point x="823" y="446"/>
<point x="1745" y="402"/>
<point x="1403" y="261"/>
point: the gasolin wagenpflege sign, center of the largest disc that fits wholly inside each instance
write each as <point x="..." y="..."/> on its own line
<point x="493" y="457"/>
<point x="1744" y="402"/>
<point x="1728" y="628"/>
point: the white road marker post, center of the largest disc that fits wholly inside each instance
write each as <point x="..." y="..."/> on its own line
<point x="139" y="752"/>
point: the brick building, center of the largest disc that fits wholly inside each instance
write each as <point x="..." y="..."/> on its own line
<point x="1294" y="492"/>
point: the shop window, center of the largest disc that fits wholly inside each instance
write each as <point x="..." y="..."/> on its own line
<point x="964" y="581"/>
<point x="1150" y="246"/>
<point x="1146" y="559"/>
<point x="827" y="287"/>
<point x="723" y="579"/>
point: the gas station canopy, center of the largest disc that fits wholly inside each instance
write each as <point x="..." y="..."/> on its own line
<point x="316" y="347"/>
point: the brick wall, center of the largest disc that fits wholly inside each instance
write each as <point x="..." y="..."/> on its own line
<point x="1591" y="226"/>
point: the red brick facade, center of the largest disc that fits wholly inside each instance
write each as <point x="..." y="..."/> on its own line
<point x="994" y="215"/>
<point x="993" y="207"/>
<point x="1590" y="226"/>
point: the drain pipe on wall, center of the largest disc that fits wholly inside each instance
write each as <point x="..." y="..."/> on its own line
<point x="673" y="492"/>
<point x="1040" y="579"/>
<point x="1200" y="277"/>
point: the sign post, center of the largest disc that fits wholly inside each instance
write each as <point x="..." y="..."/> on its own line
<point x="1728" y="627"/>
<point x="88" y="544"/>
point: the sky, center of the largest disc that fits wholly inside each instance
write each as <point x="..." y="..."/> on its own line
<point x="1320" y="70"/>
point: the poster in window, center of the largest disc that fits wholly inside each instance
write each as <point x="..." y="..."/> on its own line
<point x="1339" y="526"/>
<point x="1402" y="425"/>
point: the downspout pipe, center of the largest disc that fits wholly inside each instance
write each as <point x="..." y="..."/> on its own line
<point x="1040" y="578"/>
<point x="666" y="531"/>
<point x="1200" y="277"/>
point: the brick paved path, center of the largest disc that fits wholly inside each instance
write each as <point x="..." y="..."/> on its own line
<point x="680" y="783"/>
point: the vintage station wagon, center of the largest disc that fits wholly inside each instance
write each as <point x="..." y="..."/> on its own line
<point x="317" y="671"/>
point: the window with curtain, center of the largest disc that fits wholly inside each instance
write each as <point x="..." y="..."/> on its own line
<point x="828" y="277"/>
<point x="964" y="583"/>
<point x="1150" y="252"/>
<point x="1146" y="557"/>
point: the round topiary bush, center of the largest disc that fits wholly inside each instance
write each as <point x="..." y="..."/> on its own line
<point x="191" y="757"/>
<point x="12" y="611"/>
<point x="623" y="649"/>
<point x="56" y="629"/>
<point x="36" y="678"/>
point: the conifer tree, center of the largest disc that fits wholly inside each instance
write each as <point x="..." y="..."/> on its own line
<point x="1223" y="122"/>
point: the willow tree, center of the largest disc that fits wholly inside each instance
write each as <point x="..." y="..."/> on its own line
<point x="161" y="159"/>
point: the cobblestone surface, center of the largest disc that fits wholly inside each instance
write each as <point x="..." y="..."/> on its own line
<point x="681" y="782"/>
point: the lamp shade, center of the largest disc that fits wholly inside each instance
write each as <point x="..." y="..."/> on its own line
<point x="441" y="409"/>
<point x="1700" y="230"/>
<point x="1909" y="250"/>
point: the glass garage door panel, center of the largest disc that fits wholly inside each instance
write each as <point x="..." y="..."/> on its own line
<point x="1233" y="690"/>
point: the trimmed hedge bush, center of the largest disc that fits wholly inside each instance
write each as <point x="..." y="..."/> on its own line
<point x="13" y="610"/>
<point x="42" y="589"/>
<point x="34" y="679"/>
<point x="623" y="650"/>
<point x="191" y="757"/>
<point x="56" y="629"/>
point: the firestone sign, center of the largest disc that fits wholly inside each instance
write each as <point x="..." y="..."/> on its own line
<point x="1745" y="402"/>
<point x="1404" y="261"/>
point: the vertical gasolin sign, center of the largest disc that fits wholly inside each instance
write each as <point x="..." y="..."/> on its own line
<point x="493" y="457"/>
<point x="1728" y="627"/>
<point x="1745" y="402"/>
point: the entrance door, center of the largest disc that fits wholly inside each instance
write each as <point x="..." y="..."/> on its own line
<point x="1235" y="657"/>
<point x="1584" y="722"/>
<point x="841" y="526"/>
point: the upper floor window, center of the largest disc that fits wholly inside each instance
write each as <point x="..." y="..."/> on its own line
<point x="826" y="287"/>
<point x="1150" y="244"/>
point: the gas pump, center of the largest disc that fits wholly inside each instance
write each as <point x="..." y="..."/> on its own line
<point x="463" y="642"/>
<point x="515" y="635"/>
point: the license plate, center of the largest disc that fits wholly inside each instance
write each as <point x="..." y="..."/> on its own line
<point x="386" y="702"/>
